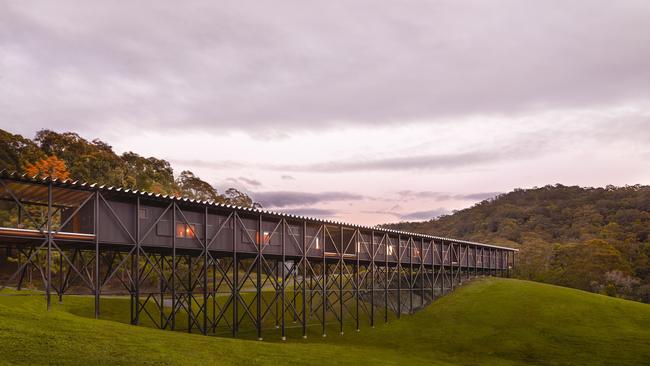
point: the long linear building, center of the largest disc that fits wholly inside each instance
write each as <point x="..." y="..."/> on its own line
<point x="212" y="268"/>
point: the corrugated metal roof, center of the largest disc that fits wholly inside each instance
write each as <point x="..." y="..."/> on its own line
<point x="68" y="183"/>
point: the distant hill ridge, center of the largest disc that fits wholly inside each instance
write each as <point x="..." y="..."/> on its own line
<point x="596" y="239"/>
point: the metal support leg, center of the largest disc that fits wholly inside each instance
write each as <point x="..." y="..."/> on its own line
<point x="97" y="256"/>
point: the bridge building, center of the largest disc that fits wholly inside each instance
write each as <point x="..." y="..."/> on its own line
<point x="213" y="268"/>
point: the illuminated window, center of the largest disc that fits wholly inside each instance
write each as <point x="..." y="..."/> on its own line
<point x="358" y="247"/>
<point x="185" y="230"/>
<point x="317" y="244"/>
<point x="416" y="252"/>
<point x="391" y="249"/>
<point x="267" y="237"/>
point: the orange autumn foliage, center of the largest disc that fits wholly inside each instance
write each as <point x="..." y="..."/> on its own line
<point x="50" y="166"/>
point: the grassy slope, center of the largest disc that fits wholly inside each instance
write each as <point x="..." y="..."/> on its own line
<point x="493" y="321"/>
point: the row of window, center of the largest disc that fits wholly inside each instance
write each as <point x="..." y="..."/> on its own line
<point x="185" y="231"/>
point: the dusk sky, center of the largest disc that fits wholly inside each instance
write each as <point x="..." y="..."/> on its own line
<point x="362" y="111"/>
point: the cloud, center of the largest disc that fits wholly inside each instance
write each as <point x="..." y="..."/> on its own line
<point x="287" y="66"/>
<point x="287" y="177"/>
<point x="424" y="215"/>
<point x="279" y="199"/>
<point x="250" y="182"/>
<point x="444" y="196"/>
<point x="243" y="181"/>
<point x="526" y="146"/>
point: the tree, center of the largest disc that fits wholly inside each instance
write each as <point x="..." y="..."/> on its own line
<point x="149" y="174"/>
<point x="16" y="152"/>
<point x="50" y="166"/>
<point x="194" y="187"/>
<point x="238" y="198"/>
<point x="87" y="161"/>
<point x="567" y="235"/>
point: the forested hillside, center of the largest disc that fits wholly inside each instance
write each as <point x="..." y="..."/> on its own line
<point x="67" y="155"/>
<point x="595" y="239"/>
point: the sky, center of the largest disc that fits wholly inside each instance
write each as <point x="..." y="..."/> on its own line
<point x="361" y="111"/>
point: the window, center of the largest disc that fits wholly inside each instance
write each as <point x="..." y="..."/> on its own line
<point x="164" y="228"/>
<point x="416" y="252"/>
<point x="391" y="249"/>
<point x="142" y="213"/>
<point x="185" y="230"/>
<point x="317" y="244"/>
<point x="267" y="237"/>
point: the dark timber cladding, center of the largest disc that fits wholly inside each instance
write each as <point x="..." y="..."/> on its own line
<point x="216" y="269"/>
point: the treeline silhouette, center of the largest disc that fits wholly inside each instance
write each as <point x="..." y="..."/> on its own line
<point x="69" y="156"/>
<point x="595" y="239"/>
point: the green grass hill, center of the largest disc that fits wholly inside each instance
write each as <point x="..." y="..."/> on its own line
<point x="487" y="322"/>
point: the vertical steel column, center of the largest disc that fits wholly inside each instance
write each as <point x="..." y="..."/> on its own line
<point x="214" y="295"/>
<point x="433" y="272"/>
<point x="295" y="284"/>
<point x="205" y="271"/>
<point x="386" y="240"/>
<point x="510" y="266"/>
<point x="48" y="287"/>
<point x="174" y="267"/>
<point x="275" y="300"/>
<point x="411" y="284"/>
<point x="341" y="264"/>
<point x="372" y="279"/>
<point x="468" y="274"/>
<point x="490" y="261"/>
<point x="356" y="276"/>
<point x="163" y="288"/>
<point x="282" y="285"/>
<point x="136" y="272"/>
<point x="260" y="243"/>
<point x="421" y="272"/>
<point x="441" y="268"/>
<point x="190" y="294"/>
<point x="463" y="269"/>
<point x="451" y="262"/>
<point x="324" y="309"/>
<point x="483" y="263"/>
<point x="235" y="276"/>
<point x="304" y="281"/>
<point x="97" y="255"/>
<point x="60" y="276"/>
<point x="399" y="276"/>
<point x="475" y="260"/>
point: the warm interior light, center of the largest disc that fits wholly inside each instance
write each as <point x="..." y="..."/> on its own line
<point x="390" y="250"/>
<point x="358" y="247"/>
<point x="317" y="246"/>
<point x="180" y="230"/>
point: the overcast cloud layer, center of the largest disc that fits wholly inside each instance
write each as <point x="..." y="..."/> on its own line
<point x="368" y="111"/>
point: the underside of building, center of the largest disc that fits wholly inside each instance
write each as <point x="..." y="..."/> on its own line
<point x="217" y="269"/>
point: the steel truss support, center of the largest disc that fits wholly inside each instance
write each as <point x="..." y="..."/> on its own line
<point x="364" y="276"/>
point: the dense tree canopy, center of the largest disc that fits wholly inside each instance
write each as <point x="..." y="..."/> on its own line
<point x="68" y="155"/>
<point x="594" y="239"/>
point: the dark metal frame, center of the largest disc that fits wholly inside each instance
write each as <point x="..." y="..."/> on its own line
<point x="391" y="272"/>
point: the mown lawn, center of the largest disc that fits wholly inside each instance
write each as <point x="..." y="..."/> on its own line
<point x="488" y="322"/>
